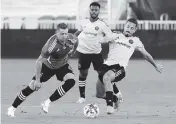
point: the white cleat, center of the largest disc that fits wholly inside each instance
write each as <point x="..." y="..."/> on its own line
<point x="11" y="111"/>
<point x="45" y="106"/>
<point x="81" y="100"/>
<point x="110" y="110"/>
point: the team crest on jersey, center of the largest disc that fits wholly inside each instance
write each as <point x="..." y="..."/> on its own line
<point x="131" y="41"/>
<point x="96" y="28"/>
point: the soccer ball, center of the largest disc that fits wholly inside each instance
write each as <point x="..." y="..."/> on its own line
<point x="91" y="110"/>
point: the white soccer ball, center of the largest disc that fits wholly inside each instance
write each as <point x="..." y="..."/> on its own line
<point x="91" y="110"/>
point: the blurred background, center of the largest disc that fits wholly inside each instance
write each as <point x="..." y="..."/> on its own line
<point x="27" y="24"/>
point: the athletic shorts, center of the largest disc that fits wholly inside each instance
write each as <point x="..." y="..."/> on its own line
<point x="47" y="73"/>
<point x="84" y="61"/>
<point x="117" y="69"/>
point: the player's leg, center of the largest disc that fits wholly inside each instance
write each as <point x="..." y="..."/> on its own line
<point x="108" y="77"/>
<point x="63" y="74"/>
<point x="84" y="62"/>
<point x="99" y="67"/>
<point x="100" y="90"/>
<point x="115" y="73"/>
<point x="46" y="74"/>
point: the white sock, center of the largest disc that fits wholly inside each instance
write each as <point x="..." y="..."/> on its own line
<point x="48" y="101"/>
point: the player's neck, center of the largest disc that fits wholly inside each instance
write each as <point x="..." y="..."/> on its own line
<point x="93" y="20"/>
<point x="61" y="42"/>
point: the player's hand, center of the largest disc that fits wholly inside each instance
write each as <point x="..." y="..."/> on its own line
<point x="159" y="68"/>
<point x="37" y="85"/>
<point x="71" y="53"/>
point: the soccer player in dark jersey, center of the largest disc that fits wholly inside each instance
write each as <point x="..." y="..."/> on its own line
<point x="52" y="61"/>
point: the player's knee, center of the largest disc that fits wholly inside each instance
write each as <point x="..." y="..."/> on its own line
<point x="69" y="76"/>
<point x="31" y="85"/>
<point x="108" y="76"/>
<point x="83" y="73"/>
<point x="106" y="79"/>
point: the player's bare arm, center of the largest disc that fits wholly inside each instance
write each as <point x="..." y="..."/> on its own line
<point x="72" y="52"/>
<point x="150" y="59"/>
<point x="73" y="40"/>
<point x="39" y="62"/>
<point x="77" y="33"/>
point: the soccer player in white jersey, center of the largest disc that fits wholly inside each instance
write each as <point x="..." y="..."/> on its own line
<point x="120" y="51"/>
<point x="89" y="47"/>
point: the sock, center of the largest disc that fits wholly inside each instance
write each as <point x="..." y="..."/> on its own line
<point x="62" y="90"/>
<point x="115" y="89"/>
<point x="109" y="98"/>
<point x="22" y="96"/>
<point x="82" y="85"/>
<point x="115" y="98"/>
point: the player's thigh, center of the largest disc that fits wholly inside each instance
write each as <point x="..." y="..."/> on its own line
<point x="119" y="73"/>
<point x="97" y="61"/>
<point x="84" y="61"/>
<point x="46" y="73"/>
<point x="112" y="73"/>
<point x="64" y="73"/>
<point x="119" y="76"/>
<point x="109" y="76"/>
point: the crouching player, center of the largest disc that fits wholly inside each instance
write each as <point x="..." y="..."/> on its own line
<point x="120" y="51"/>
<point x="52" y="61"/>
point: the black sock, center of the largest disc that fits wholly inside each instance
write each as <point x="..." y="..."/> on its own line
<point x="82" y="85"/>
<point x="62" y="90"/>
<point x="109" y="98"/>
<point x="115" y="99"/>
<point x="115" y="89"/>
<point x="22" y="96"/>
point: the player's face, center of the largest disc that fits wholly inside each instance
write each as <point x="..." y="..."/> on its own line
<point x="62" y="34"/>
<point x="94" y="11"/>
<point x="129" y="29"/>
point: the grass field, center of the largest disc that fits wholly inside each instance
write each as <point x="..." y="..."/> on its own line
<point x="149" y="97"/>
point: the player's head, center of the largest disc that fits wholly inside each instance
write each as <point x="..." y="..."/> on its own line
<point x="130" y="27"/>
<point x="94" y="10"/>
<point x="62" y="31"/>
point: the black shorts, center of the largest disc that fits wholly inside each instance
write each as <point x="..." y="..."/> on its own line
<point x="47" y="73"/>
<point x="84" y="61"/>
<point x="117" y="69"/>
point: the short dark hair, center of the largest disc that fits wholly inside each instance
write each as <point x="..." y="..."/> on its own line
<point x="95" y="4"/>
<point x="62" y="26"/>
<point x="133" y="20"/>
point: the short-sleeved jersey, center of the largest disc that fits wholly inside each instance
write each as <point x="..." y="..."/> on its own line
<point x="57" y="52"/>
<point x="121" y="50"/>
<point x="91" y="36"/>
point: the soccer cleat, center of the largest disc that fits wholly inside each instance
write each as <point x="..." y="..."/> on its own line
<point x="11" y="111"/>
<point x="110" y="110"/>
<point x="45" y="106"/>
<point x="81" y="100"/>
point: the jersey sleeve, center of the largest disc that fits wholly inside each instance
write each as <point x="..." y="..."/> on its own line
<point x="108" y="33"/>
<point x="79" y="25"/>
<point x="48" y="48"/>
<point x="139" y="44"/>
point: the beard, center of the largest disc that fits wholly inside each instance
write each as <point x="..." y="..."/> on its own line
<point x="94" y="17"/>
